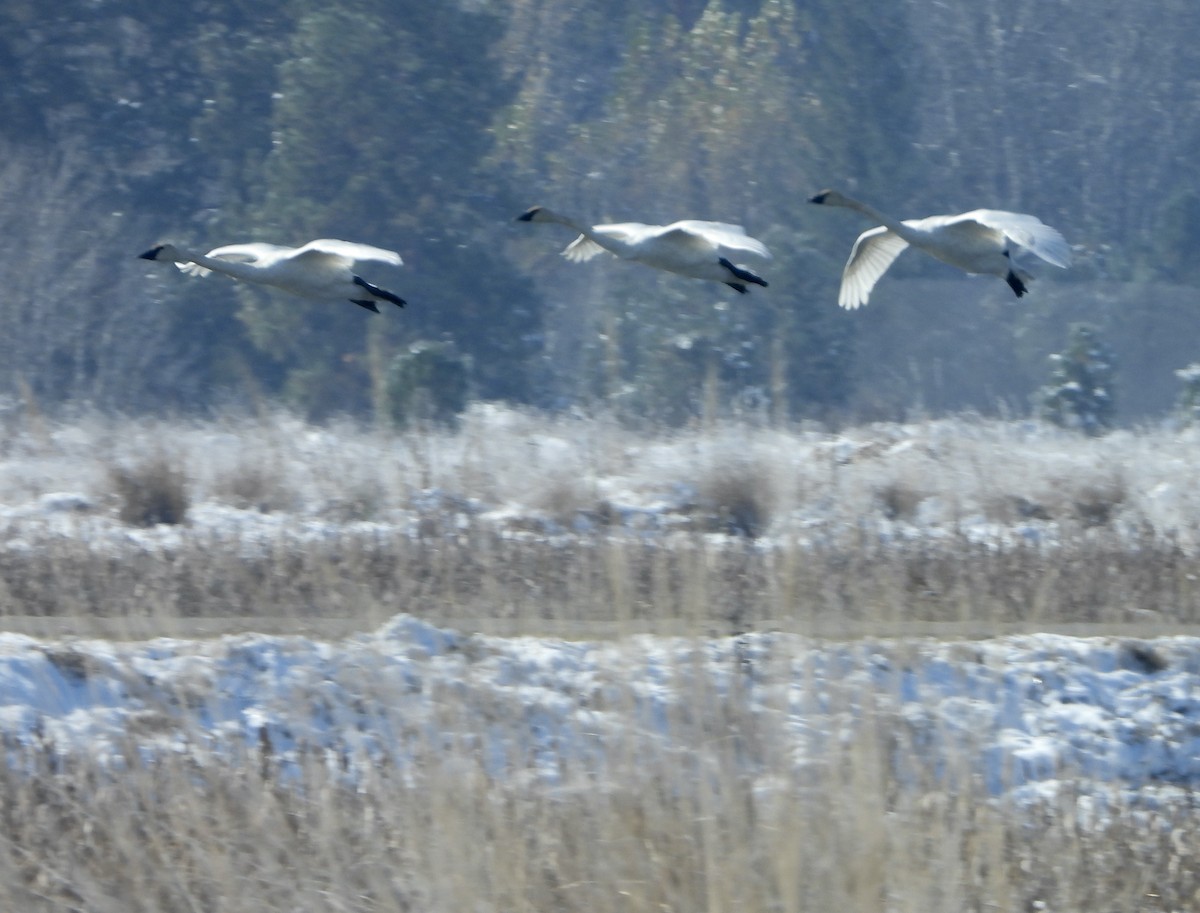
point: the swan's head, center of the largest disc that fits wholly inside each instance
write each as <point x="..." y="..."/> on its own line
<point x="829" y="198"/>
<point x="533" y="214"/>
<point x="164" y="252"/>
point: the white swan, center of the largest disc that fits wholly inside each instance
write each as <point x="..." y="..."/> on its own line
<point x="980" y="241"/>
<point x="702" y="250"/>
<point x="321" y="269"/>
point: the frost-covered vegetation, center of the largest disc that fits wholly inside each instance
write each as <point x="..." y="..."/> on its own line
<point x="809" y="713"/>
<point x="521" y="515"/>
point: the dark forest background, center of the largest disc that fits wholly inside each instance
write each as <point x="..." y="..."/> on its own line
<point x="426" y="127"/>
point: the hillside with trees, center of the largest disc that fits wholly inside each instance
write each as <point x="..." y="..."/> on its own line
<point x="426" y="128"/>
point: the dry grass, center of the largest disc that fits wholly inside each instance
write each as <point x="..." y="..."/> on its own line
<point x="715" y="817"/>
<point x="708" y="532"/>
<point x="566" y="521"/>
<point x="692" y="583"/>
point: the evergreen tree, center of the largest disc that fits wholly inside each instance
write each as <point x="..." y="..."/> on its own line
<point x="428" y="382"/>
<point x="1080" y="394"/>
<point x="1187" y="407"/>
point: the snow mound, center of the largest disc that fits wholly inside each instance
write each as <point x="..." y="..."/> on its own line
<point x="1013" y="710"/>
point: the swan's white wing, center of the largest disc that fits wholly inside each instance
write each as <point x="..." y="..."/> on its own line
<point x="870" y="258"/>
<point x="582" y="249"/>
<point x="729" y="239"/>
<point x="257" y="252"/>
<point x="627" y="232"/>
<point x="350" y="250"/>
<point x="1027" y="231"/>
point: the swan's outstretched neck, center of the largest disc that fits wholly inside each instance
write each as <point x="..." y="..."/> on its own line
<point x="232" y="268"/>
<point x="833" y="198"/>
<point x="584" y="247"/>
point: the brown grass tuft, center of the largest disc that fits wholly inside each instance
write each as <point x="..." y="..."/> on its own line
<point x="254" y="486"/>
<point x="899" y="500"/>
<point x="151" y="492"/>
<point x="738" y="497"/>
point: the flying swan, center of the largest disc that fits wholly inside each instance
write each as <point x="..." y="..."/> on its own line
<point x="980" y="241"/>
<point x="702" y="250"/>
<point x="321" y="269"/>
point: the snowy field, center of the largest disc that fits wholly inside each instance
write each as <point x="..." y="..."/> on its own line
<point x="1121" y="708"/>
<point x="721" y="650"/>
<point x="524" y="473"/>
<point x="1015" y="712"/>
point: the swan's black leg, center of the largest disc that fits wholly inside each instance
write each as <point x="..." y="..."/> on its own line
<point x="744" y="274"/>
<point x="737" y="287"/>
<point x="366" y="303"/>
<point x="378" y="292"/>
<point x="1015" y="283"/>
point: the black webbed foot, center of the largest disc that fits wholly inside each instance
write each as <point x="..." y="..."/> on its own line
<point x="744" y="274"/>
<point x="378" y="292"/>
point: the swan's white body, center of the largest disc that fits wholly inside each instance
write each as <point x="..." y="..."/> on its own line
<point x="702" y="250"/>
<point x="321" y="269"/>
<point x="980" y="241"/>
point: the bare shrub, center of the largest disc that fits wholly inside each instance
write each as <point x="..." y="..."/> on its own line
<point x="74" y="664"/>
<point x="565" y="497"/>
<point x="738" y="496"/>
<point x="1095" y="504"/>
<point x="1142" y="657"/>
<point x="899" y="499"/>
<point x="151" y="492"/>
<point x="254" y="486"/>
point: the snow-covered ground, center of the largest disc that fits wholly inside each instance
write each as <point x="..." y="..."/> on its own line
<point x="1016" y="712"/>
<point x="568" y="475"/>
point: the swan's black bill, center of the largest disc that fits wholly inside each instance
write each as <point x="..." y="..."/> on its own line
<point x="151" y="254"/>
<point x="528" y="214"/>
<point x="820" y="197"/>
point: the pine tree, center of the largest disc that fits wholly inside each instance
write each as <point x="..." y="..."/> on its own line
<point x="1187" y="406"/>
<point x="1080" y="394"/>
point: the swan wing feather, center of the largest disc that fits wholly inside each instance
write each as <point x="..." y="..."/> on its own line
<point x="870" y="258"/>
<point x="726" y="238"/>
<point x="255" y="252"/>
<point x="627" y="232"/>
<point x="1026" y="231"/>
<point x="582" y="249"/>
<point x="349" y="250"/>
